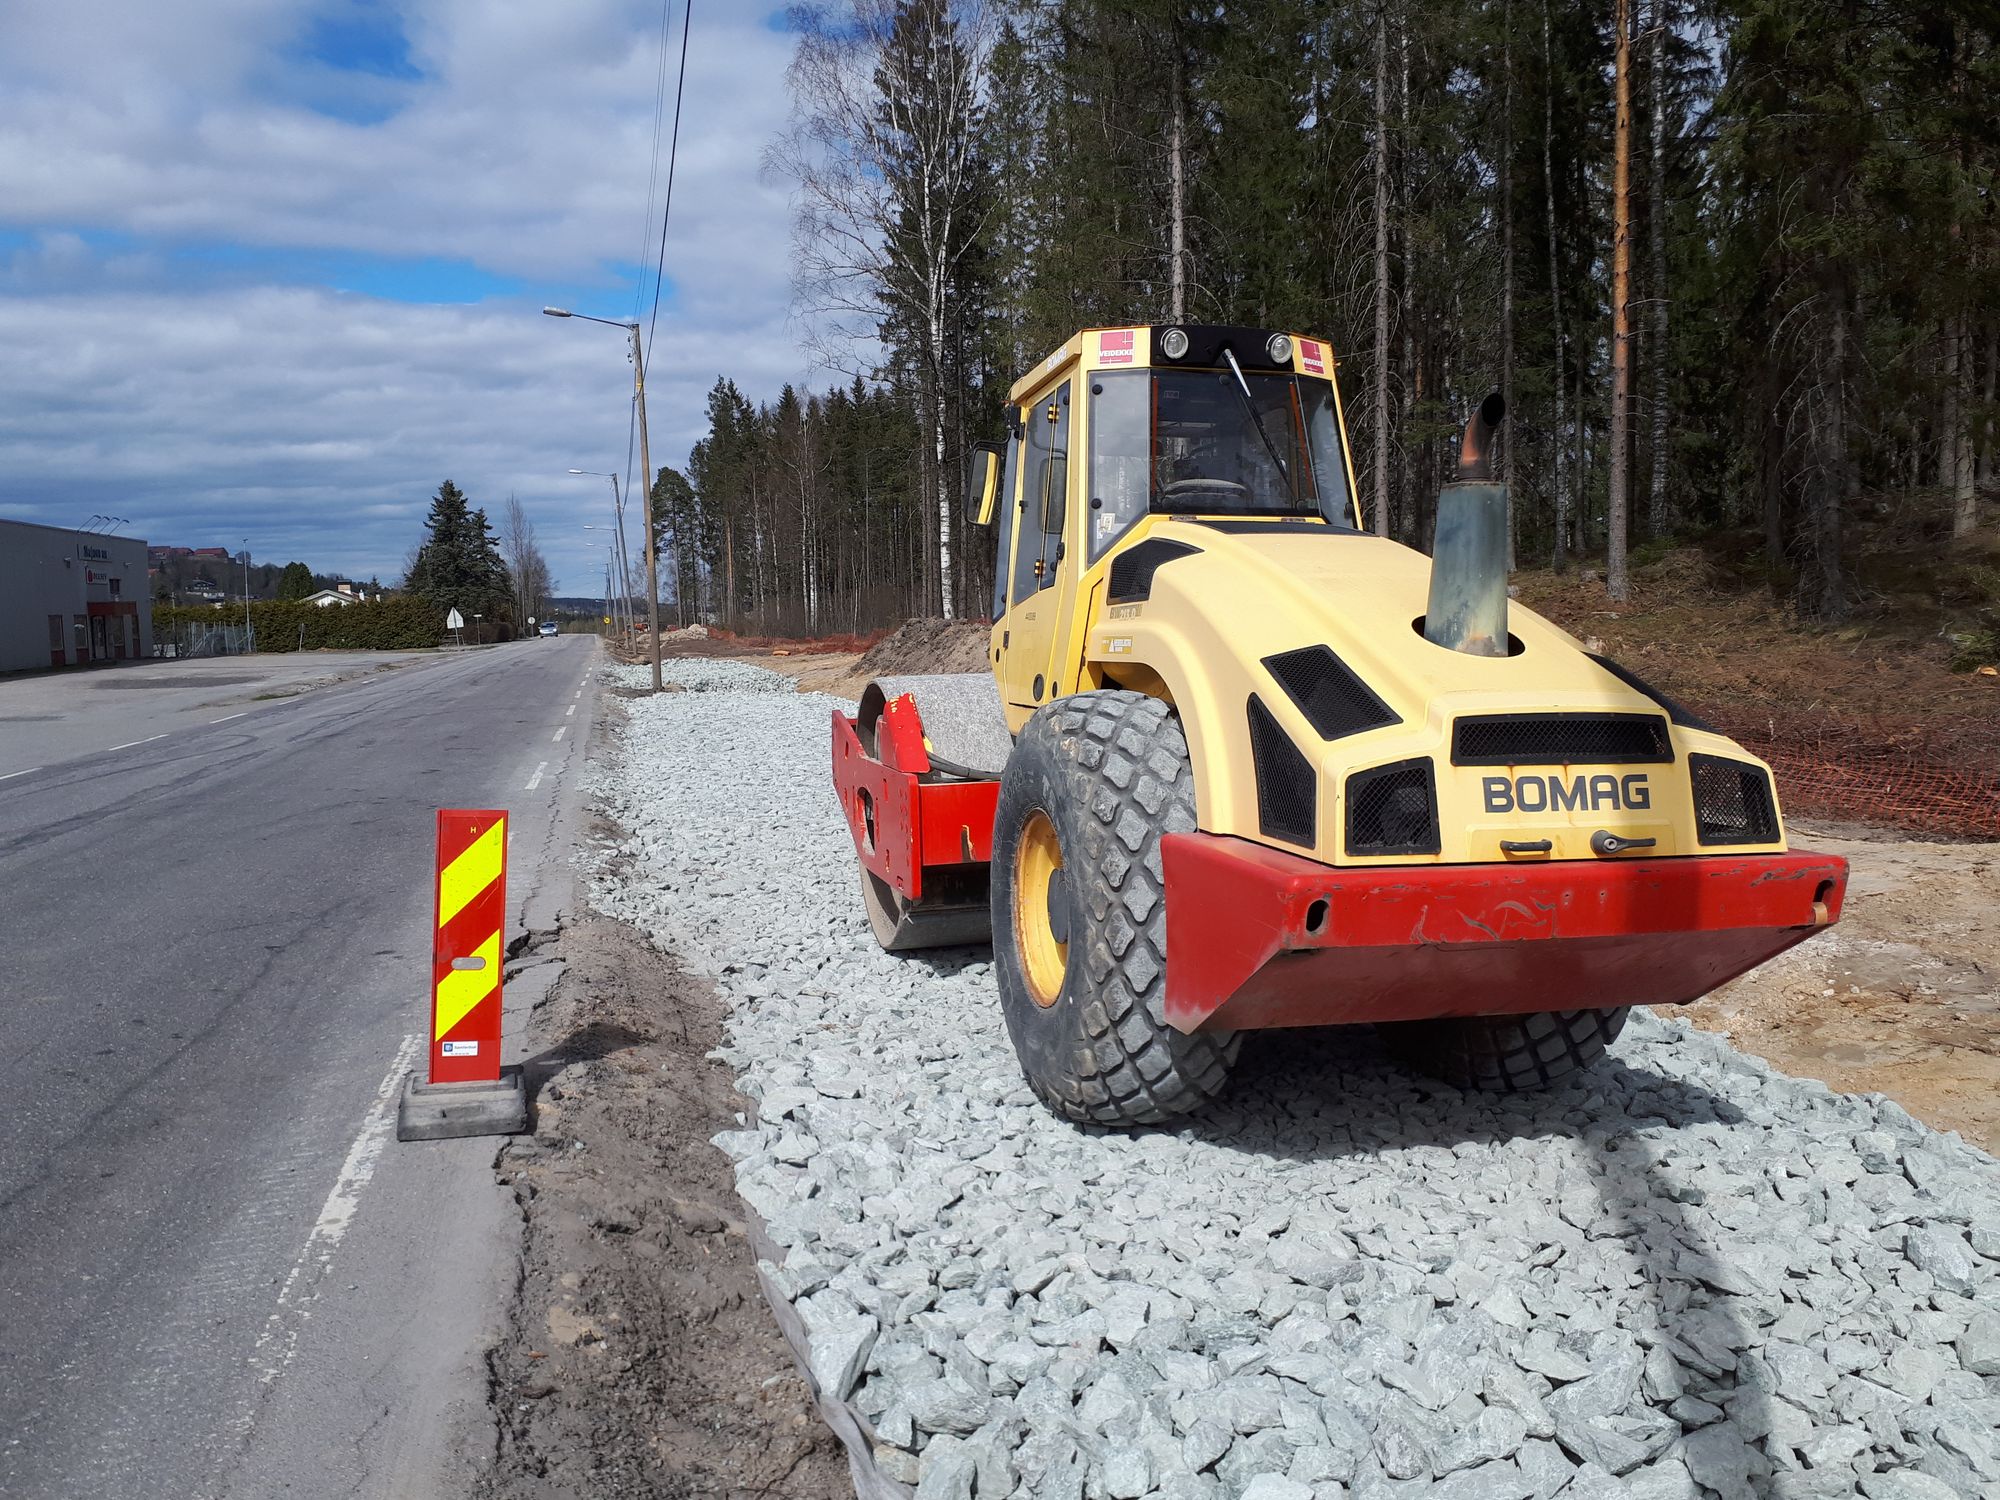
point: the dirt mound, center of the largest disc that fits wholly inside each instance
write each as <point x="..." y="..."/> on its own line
<point x="928" y="646"/>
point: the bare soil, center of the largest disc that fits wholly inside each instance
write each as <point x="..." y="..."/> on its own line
<point x="1901" y="998"/>
<point x="639" y="1358"/>
<point x="918" y="646"/>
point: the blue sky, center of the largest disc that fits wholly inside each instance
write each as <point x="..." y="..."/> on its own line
<point x="276" y="269"/>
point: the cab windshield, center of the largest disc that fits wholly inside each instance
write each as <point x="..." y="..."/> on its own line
<point x="1189" y="442"/>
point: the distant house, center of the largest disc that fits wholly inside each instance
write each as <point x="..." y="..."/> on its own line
<point x="340" y="593"/>
<point x="209" y="552"/>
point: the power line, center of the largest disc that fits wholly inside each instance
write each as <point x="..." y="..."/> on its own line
<point x="653" y="169"/>
<point x="667" y="214"/>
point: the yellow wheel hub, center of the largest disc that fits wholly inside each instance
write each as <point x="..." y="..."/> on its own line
<point x="1038" y="886"/>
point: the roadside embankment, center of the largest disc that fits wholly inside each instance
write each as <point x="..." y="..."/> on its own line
<point x="1686" y="1274"/>
<point x="639" y="1358"/>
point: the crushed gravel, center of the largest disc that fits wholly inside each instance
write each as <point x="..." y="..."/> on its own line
<point x="1684" y="1275"/>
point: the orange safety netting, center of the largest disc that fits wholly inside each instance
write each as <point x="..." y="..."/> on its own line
<point x="1907" y="779"/>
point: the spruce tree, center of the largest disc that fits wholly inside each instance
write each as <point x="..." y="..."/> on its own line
<point x="459" y="564"/>
<point x="295" y="582"/>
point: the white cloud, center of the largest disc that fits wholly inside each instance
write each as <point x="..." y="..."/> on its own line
<point x="207" y="399"/>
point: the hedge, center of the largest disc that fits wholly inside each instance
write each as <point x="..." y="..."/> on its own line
<point x="398" y="624"/>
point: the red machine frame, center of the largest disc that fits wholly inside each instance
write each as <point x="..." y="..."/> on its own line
<point x="1260" y="938"/>
<point x="902" y="824"/>
<point x="1257" y="937"/>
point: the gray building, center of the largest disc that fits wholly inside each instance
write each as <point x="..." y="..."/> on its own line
<point x="71" y="597"/>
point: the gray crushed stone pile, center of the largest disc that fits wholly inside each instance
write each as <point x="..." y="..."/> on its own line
<point x="1687" y="1275"/>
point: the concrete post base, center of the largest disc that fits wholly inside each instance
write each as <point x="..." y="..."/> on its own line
<point x="439" y="1111"/>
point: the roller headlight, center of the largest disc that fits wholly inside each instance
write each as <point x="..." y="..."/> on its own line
<point x="1280" y="349"/>
<point x="1174" y="343"/>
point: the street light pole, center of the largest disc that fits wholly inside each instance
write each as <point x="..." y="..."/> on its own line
<point x="646" y="466"/>
<point x="618" y="514"/>
<point x="624" y="604"/>
<point x="624" y="566"/>
<point x="249" y="634"/>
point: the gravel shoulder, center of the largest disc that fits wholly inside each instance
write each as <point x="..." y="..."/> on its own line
<point x="1687" y="1274"/>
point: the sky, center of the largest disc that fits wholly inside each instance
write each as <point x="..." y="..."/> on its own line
<point x="273" y="269"/>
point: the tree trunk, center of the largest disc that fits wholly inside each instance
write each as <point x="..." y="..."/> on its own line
<point x="1958" y="431"/>
<point x="1830" y="481"/>
<point x="1659" y="515"/>
<point x="1983" y="477"/>
<point x="1615" y="581"/>
<point x="1382" y="270"/>
<point x="1177" y="201"/>
<point x="1559" y="554"/>
<point x="1408" y="520"/>
<point x="728" y="572"/>
<point x="1506" y="443"/>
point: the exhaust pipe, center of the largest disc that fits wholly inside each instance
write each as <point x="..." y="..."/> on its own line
<point x="1468" y="599"/>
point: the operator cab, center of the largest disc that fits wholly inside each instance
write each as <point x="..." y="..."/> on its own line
<point x="1239" y="425"/>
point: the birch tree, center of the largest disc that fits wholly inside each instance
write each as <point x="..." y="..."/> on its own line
<point x="892" y="197"/>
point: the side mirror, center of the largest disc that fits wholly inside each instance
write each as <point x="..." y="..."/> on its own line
<point x="984" y="490"/>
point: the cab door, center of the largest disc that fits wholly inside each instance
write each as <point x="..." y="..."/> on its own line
<point x="1039" y="590"/>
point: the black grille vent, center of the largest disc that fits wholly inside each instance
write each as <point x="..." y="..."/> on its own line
<point x="1132" y="570"/>
<point x="1287" y="791"/>
<point x="1335" y="702"/>
<point x="1392" y="810"/>
<point x="1679" y="712"/>
<point x="1561" y="740"/>
<point x="1732" y="802"/>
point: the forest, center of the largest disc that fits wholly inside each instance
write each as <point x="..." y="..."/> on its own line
<point x="1733" y="266"/>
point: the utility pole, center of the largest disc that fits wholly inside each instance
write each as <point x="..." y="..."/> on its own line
<point x="646" y="463"/>
<point x="646" y="471"/>
<point x="249" y="636"/>
<point x="624" y="567"/>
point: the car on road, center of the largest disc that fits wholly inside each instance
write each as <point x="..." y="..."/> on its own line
<point x="547" y="627"/>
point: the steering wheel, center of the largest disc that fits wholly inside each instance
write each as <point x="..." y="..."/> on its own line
<point x="1202" y="488"/>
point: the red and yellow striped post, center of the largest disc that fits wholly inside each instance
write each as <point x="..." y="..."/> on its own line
<point x="465" y="961"/>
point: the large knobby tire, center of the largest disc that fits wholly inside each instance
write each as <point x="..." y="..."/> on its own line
<point x="1093" y="783"/>
<point x="1505" y="1054"/>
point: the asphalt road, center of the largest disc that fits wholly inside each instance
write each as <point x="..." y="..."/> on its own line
<point x="220" y="1275"/>
<point x="47" y="718"/>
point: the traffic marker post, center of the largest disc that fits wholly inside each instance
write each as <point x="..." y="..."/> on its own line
<point x="466" y="1092"/>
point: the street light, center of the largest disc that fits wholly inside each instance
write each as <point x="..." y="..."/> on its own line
<point x="618" y="512"/>
<point x="249" y="633"/>
<point x="646" y="466"/>
<point x="610" y="554"/>
<point x="624" y="579"/>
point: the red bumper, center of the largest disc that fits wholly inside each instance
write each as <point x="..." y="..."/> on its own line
<point x="900" y="823"/>
<point x="1256" y="937"/>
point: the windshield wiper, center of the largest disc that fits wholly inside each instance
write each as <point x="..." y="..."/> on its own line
<point x="1256" y="417"/>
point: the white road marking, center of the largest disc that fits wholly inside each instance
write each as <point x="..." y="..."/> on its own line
<point x="130" y="743"/>
<point x="562" y="731"/>
<point x="280" y="1339"/>
<point x="12" y="774"/>
<point x="536" y="779"/>
<point x="569" y="711"/>
<point x="227" y="717"/>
